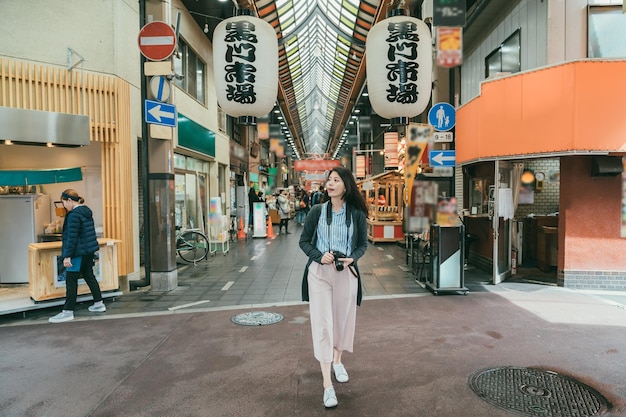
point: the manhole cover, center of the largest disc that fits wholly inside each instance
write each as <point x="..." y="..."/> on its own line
<point x="256" y="318"/>
<point x="535" y="392"/>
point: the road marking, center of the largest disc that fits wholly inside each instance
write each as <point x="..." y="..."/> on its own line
<point x="243" y="269"/>
<point x="189" y="305"/>
<point x="253" y="258"/>
<point x="404" y="268"/>
<point x="390" y="256"/>
<point x="380" y="249"/>
<point x="228" y="285"/>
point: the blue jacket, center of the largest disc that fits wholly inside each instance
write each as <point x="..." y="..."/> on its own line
<point x="79" y="233"/>
<point x="308" y="240"/>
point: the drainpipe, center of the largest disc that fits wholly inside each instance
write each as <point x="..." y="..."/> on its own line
<point x="145" y="165"/>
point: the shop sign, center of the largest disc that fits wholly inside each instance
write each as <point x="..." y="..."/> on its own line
<point x="449" y="47"/>
<point x="449" y="12"/>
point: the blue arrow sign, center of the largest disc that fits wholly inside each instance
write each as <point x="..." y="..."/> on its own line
<point x="442" y="116"/>
<point x="442" y="158"/>
<point x="160" y="113"/>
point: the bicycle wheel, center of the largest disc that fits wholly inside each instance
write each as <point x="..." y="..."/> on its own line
<point x="192" y="246"/>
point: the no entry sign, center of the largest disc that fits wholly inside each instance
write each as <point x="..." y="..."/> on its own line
<point x="157" y="41"/>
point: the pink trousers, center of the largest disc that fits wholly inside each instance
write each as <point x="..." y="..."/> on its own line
<point x="332" y="303"/>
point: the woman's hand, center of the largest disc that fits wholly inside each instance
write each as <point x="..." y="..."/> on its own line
<point x="328" y="258"/>
<point x="67" y="262"/>
<point x="347" y="261"/>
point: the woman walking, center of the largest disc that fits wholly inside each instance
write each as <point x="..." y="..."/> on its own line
<point x="334" y="238"/>
<point x="284" y="210"/>
<point x="79" y="243"/>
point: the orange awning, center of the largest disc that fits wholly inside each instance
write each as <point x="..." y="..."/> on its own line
<point x="576" y="107"/>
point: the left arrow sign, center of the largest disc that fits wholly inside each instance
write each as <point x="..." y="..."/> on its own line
<point x="160" y="113"/>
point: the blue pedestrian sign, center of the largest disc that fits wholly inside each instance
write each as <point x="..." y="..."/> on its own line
<point x="442" y="158"/>
<point x="160" y="113"/>
<point x="442" y="116"/>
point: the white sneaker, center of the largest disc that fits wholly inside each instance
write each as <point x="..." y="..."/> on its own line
<point x="341" y="375"/>
<point x="330" y="398"/>
<point x="101" y="308"/>
<point x="63" y="316"/>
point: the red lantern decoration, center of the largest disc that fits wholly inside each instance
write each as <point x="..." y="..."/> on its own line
<point x="399" y="67"/>
<point x="245" y="64"/>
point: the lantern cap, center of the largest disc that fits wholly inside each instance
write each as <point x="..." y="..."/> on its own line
<point x="247" y="120"/>
<point x="244" y="12"/>
<point x="397" y="8"/>
<point x="398" y="121"/>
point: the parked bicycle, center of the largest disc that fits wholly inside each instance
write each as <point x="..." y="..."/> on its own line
<point x="191" y="245"/>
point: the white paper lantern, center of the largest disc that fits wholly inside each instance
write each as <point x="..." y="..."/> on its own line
<point x="245" y="64"/>
<point x="399" y="67"/>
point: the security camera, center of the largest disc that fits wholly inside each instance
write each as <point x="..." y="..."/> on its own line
<point x="174" y="75"/>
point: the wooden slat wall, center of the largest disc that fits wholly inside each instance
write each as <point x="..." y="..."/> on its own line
<point x="106" y="100"/>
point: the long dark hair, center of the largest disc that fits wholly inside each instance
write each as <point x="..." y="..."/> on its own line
<point x="352" y="196"/>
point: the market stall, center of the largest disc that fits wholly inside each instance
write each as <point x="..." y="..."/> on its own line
<point x="46" y="274"/>
<point x="384" y="196"/>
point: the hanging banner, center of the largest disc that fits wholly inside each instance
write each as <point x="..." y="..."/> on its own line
<point x="422" y="207"/>
<point x="263" y="129"/>
<point x="360" y="166"/>
<point x="449" y="46"/>
<point x="391" y="150"/>
<point x="315" y="164"/>
<point x="418" y="135"/>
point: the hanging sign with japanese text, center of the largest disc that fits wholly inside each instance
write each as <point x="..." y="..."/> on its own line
<point x="399" y="67"/>
<point x="245" y="57"/>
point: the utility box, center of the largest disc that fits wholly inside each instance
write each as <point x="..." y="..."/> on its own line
<point x="447" y="260"/>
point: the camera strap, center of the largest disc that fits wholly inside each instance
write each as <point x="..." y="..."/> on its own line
<point x="329" y="220"/>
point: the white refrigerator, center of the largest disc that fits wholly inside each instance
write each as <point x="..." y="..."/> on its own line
<point x="22" y="219"/>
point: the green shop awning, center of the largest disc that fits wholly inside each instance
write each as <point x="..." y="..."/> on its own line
<point x="193" y="136"/>
<point x="39" y="176"/>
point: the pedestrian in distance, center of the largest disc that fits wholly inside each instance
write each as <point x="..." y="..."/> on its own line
<point x="252" y="198"/>
<point x="79" y="244"/>
<point x="304" y="207"/>
<point x="317" y="196"/>
<point x="284" y="210"/>
<point x="334" y="237"/>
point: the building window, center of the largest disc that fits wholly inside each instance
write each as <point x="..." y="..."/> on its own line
<point x="188" y="64"/>
<point x="222" y="120"/>
<point x="605" y="25"/>
<point x="506" y="58"/>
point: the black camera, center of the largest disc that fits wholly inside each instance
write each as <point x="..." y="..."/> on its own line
<point x="338" y="263"/>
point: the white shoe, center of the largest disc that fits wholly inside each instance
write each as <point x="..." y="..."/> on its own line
<point x="63" y="316"/>
<point x="341" y="375"/>
<point x="330" y="398"/>
<point x="101" y="308"/>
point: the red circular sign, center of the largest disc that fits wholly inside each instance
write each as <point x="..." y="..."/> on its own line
<point x="157" y="41"/>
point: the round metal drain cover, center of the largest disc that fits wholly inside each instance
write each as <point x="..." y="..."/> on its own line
<point x="256" y="318"/>
<point x="535" y="392"/>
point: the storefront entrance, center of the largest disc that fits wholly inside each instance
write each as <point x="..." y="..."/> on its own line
<point x="190" y="211"/>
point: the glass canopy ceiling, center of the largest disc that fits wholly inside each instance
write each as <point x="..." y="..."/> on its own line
<point x="321" y="51"/>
